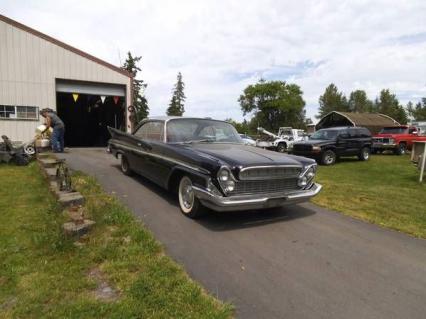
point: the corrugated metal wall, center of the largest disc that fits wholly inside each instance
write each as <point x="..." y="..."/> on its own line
<point x="29" y="66"/>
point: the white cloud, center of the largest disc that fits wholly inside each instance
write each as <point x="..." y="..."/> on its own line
<point x="222" y="46"/>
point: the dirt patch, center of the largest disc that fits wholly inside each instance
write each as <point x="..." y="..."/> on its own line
<point x="103" y="290"/>
<point x="8" y="304"/>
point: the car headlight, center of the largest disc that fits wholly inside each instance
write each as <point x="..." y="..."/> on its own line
<point x="303" y="181"/>
<point x="391" y="141"/>
<point x="226" y="180"/>
<point x="307" y="177"/>
<point x="316" y="148"/>
<point x="224" y="175"/>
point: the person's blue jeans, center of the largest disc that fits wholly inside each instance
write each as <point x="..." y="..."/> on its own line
<point x="57" y="139"/>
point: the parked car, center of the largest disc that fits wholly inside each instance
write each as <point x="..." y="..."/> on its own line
<point x="396" y="138"/>
<point x="327" y="145"/>
<point x="247" y="140"/>
<point x="207" y="164"/>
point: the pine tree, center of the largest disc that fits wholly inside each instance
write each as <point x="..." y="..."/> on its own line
<point x="388" y="104"/>
<point x="139" y="100"/>
<point x="332" y="100"/>
<point x="418" y="112"/>
<point x="176" y="106"/>
<point x="359" y="102"/>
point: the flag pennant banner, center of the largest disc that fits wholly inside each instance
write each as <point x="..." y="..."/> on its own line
<point x="75" y="97"/>
<point x="103" y="97"/>
<point x="115" y="99"/>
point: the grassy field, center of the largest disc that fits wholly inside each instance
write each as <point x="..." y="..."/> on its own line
<point x="384" y="191"/>
<point x="117" y="271"/>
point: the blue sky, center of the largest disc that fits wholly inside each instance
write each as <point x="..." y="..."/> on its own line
<point x="222" y="46"/>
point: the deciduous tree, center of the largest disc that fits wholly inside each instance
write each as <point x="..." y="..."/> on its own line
<point x="274" y="104"/>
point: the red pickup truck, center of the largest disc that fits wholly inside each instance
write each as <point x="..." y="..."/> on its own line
<point x="396" y="138"/>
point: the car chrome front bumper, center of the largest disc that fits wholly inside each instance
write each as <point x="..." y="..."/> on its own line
<point x="384" y="145"/>
<point x="248" y="202"/>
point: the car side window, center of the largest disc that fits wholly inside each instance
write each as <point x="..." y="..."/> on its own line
<point x="151" y="131"/>
<point x="344" y="134"/>
<point x="353" y="133"/>
<point x="364" y="133"/>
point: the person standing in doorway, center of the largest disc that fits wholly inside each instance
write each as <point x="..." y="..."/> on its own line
<point x="53" y="121"/>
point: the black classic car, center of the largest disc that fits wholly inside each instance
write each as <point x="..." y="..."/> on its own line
<point x="327" y="145"/>
<point x="207" y="164"/>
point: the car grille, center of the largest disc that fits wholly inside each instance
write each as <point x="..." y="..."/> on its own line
<point x="269" y="172"/>
<point x="265" y="186"/>
<point x="302" y="147"/>
<point x="381" y="140"/>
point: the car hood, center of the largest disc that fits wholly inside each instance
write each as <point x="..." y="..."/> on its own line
<point x="243" y="155"/>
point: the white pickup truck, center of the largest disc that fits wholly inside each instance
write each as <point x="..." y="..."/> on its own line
<point x="283" y="141"/>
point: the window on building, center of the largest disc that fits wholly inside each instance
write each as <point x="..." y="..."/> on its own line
<point x="18" y="112"/>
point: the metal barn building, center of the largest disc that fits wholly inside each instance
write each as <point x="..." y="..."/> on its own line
<point x="38" y="71"/>
<point x="373" y="121"/>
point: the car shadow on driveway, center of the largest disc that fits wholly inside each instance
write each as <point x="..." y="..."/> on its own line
<point x="253" y="218"/>
<point x="225" y="221"/>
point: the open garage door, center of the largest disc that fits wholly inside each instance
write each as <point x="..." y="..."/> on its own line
<point x="87" y="109"/>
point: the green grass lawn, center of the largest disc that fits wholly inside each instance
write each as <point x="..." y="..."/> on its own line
<point x="44" y="275"/>
<point x="384" y="191"/>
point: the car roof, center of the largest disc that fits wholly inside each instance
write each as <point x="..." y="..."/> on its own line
<point x="338" y="128"/>
<point x="167" y="118"/>
<point x="399" y="126"/>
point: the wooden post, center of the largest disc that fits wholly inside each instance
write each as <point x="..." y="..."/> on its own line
<point x="422" y="166"/>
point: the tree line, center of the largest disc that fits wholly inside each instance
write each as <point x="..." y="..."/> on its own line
<point x="272" y="104"/>
<point x="139" y="100"/>
<point x="386" y="103"/>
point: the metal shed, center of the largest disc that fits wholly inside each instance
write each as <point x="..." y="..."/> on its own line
<point x="373" y="121"/>
<point x="38" y="71"/>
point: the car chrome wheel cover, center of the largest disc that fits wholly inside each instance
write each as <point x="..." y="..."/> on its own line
<point x="329" y="158"/>
<point x="29" y="150"/>
<point x="186" y="195"/>
<point x="366" y="154"/>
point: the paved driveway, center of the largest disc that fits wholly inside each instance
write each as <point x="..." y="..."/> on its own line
<point x="297" y="262"/>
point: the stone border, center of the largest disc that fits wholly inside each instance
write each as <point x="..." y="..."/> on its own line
<point x="71" y="201"/>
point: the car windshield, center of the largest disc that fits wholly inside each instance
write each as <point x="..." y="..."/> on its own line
<point x="393" y="130"/>
<point x="324" y="135"/>
<point x="201" y="131"/>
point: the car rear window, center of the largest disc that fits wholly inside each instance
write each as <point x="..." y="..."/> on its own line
<point x="363" y="132"/>
<point x="393" y="130"/>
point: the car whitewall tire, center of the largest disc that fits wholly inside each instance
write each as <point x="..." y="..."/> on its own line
<point x="125" y="167"/>
<point x="188" y="202"/>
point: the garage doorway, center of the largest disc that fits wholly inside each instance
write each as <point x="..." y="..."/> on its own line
<point x="87" y="116"/>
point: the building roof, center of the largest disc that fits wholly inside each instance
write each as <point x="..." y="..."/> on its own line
<point x="64" y="45"/>
<point x="373" y="121"/>
<point x="369" y="119"/>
